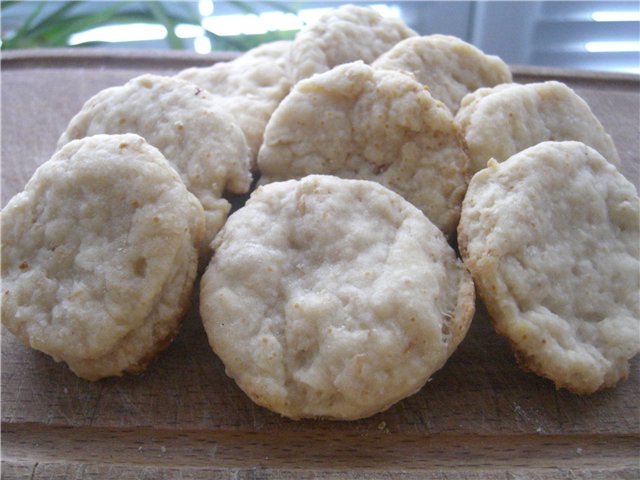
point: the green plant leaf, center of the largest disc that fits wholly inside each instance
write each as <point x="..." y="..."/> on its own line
<point x="58" y="33"/>
<point x="21" y="32"/>
<point x="283" y="7"/>
<point x="163" y="17"/>
<point x="244" y="7"/>
<point x="191" y="14"/>
<point x="38" y="34"/>
<point x="55" y="28"/>
<point x="4" y="5"/>
<point x="54" y="18"/>
<point x="225" y="43"/>
<point x="60" y="36"/>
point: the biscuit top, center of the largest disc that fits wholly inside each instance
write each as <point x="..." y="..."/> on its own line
<point x="501" y="121"/>
<point x="355" y="121"/>
<point x="344" y="35"/>
<point x="179" y="119"/>
<point x="249" y="87"/>
<point x="552" y="238"/>
<point x="198" y="138"/>
<point x="89" y="243"/>
<point x="257" y="69"/>
<point x="451" y="68"/>
<point x="334" y="298"/>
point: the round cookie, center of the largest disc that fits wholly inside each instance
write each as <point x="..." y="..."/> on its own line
<point x="181" y="120"/>
<point x="249" y="87"/>
<point x="499" y="122"/>
<point x="99" y="255"/>
<point x="358" y="122"/>
<point x="333" y="298"/>
<point x="451" y="68"/>
<point x="343" y="35"/>
<point x="551" y="237"/>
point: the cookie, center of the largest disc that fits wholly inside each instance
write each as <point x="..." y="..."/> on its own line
<point x="551" y="237"/>
<point x="501" y="121"/>
<point x="249" y="87"/>
<point x="450" y="67"/>
<point x="99" y="255"/>
<point x="358" y="122"/>
<point x="343" y="35"/>
<point x="196" y="136"/>
<point x="333" y="298"/>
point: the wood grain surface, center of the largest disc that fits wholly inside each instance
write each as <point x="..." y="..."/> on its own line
<point x="478" y="417"/>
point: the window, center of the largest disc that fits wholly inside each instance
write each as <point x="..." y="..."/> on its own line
<point x="596" y="35"/>
<point x="584" y="35"/>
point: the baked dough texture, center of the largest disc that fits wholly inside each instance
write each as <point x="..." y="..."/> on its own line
<point x="551" y="237"/>
<point x="198" y="138"/>
<point x="358" y="122"/>
<point x="450" y="67"/>
<point x="249" y="87"/>
<point x="343" y="35"/>
<point x="501" y="121"/>
<point x="99" y="255"/>
<point x="334" y="298"/>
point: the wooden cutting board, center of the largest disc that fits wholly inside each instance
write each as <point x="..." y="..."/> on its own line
<point x="479" y="417"/>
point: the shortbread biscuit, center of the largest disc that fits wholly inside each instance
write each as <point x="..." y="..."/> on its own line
<point x="344" y="35"/>
<point x="450" y="67"/>
<point x="499" y="122"/>
<point x="249" y="87"/>
<point x="198" y="138"/>
<point x="551" y="237"/>
<point x="358" y="122"/>
<point x="333" y="298"/>
<point x="99" y="255"/>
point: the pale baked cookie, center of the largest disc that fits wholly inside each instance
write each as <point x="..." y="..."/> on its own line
<point x="551" y="237"/>
<point x="198" y="138"/>
<point x="344" y="35"/>
<point x="249" y="87"/>
<point x="99" y="255"/>
<point x="450" y="67"/>
<point x="333" y="298"/>
<point x="499" y="122"/>
<point x="358" y="122"/>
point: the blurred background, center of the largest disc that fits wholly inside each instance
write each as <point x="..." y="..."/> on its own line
<point x="595" y="35"/>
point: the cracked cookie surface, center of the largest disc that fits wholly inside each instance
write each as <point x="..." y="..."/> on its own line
<point x="198" y="138"/>
<point x="343" y="35"/>
<point x="449" y="67"/>
<point x="358" y="122"/>
<point x="501" y="121"/>
<point x="333" y="298"/>
<point x="99" y="255"/>
<point x="552" y="238"/>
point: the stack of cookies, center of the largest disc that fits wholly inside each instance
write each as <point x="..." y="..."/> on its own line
<point x="336" y="290"/>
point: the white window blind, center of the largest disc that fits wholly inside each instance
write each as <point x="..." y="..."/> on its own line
<point x="602" y="35"/>
<point x="590" y="35"/>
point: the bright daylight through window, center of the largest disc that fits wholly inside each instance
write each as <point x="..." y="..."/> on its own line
<point x="592" y="35"/>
